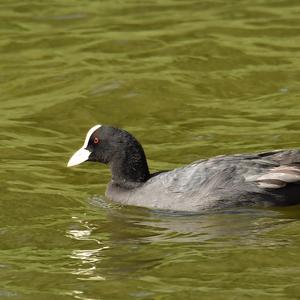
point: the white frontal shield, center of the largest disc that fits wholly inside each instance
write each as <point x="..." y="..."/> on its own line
<point x="82" y="154"/>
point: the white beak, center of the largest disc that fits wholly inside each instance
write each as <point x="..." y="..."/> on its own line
<point x="82" y="154"/>
<point x="79" y="157"/>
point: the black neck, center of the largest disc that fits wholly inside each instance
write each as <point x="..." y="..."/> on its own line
<point x="129" y="168"/>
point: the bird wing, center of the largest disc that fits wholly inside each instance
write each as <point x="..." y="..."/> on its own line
<point x="278" y="177"/>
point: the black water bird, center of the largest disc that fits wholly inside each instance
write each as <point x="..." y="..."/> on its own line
<point x="261" y="179"/>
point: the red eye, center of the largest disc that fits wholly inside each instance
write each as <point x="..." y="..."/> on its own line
<point x="96" y="140"/>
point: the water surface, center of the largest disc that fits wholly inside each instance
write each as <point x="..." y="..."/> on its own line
<point x="190" y="79"/>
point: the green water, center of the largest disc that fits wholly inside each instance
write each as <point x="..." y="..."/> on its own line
<point x="190" y="79"/>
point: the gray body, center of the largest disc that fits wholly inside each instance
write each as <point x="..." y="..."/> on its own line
<point x="263" y="179"/>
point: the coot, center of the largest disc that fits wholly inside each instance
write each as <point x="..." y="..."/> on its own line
<point x="261" y="179"/>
